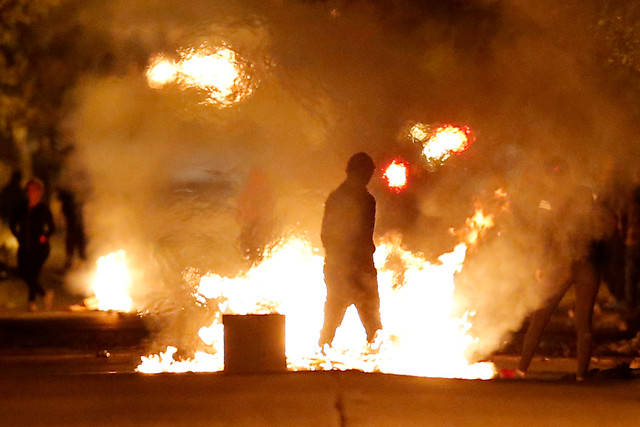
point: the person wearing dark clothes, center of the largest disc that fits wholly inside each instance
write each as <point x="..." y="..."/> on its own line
<point x="569" y="230"/>
<point x="347" y="236"/>
<point x="11" y="195"/>
<point x="32" y="224"/>
<point x="75" y="239"/>
<point x="632" y="250"/>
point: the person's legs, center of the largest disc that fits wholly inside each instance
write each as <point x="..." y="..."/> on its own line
<point x="632" y="276"/>
<point x="29" y="268"/>
<point x="369" y="312"/>
<point x="368" y="305"/>
<point x="68" y="247"/>
<point x="31" y="277"/>
<point x="335" y="305"/>
<point x="537" y="325"/>
<point x="334" y="309"/>
<point x="81" y="241"/>
<point x="586" y="288"/>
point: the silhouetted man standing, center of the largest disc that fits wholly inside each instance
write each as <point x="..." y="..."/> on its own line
<point x="11" y="196"/>
<point x="347" y="236"/>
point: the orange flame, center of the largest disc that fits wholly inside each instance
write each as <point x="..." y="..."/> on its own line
<point x="111" y="283"/>
<point x="396" y="175"/>
<point x="161" y="72"/>
<point x="440" y="143"/>
<point x="477" y="226"/>
<point x="221" y="73"/>
<point x="420" y="336"/>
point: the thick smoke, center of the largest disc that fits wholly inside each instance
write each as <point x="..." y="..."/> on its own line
<point x="333" y="78"/>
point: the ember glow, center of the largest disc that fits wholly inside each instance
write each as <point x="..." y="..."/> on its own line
<point x="440" y="143"/>
<point x="220" y="73"/>
<point x="477" y="225"/>
<point x="111" y="284"/>
<point x="419" y="132"/>
<point x="396" y="175"/>
<point x="419" y="337"/>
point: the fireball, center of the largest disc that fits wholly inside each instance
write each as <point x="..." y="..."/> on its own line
<point x="446" y="140"/>
<point x="161" y="72"/>
<point x="220" y="73"/>
<point x="396" y="175"/>
<point x="216" y="71"/>
<point x="440" y="143"/>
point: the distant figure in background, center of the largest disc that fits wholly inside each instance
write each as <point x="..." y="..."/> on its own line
<point x="256" y="214"/>
<point x="609" y="251"/>
<point x="347" y="236"/>
<point x="632" y="248"/>
<point x="11" y="195"/>
<point x="568" y="231"/>
<point x="32" y="224"/>
<point x="75" y="238"/>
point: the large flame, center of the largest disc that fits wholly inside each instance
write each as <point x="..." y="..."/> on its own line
<point x="221" y="73"/>
<point x="420" y="336"/>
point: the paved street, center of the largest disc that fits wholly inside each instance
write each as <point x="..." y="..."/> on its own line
<point x="312" y="398"/>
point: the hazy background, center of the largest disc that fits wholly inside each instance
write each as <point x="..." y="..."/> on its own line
<point x="161" y="172"/>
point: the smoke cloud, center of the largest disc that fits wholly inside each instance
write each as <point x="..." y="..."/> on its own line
<point x="333" y="78"/>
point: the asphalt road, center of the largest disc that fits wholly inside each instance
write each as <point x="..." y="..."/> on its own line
<point x="93" y="383"/>
<point x="311" y="399"/>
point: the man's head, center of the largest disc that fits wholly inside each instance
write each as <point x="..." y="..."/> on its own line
<point x="34" y="189"/>
<point x="16" y="176"/>
<point x="360" y="167"/>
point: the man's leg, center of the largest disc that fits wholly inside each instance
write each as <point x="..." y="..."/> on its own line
<point x="29" y="270"/>
<point x="334" y="309"/>
<point x="368" y="306"/>
<point x="537" y="325"/>
<point x="632" y="275"/>
<point x="586" y="288"/>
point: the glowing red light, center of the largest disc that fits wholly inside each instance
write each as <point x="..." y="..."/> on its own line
<point x="396" y="175"/>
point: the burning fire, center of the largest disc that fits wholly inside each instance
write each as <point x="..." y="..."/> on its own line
<point x="396" y="175"/>
<point x="222" y="74"/>
<point x="111" y="284"/>
<point x="161" y="72"/>
<point x="440" y="143"/>
<point x="419" y="337"/>
<point x="477" y="225"/>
